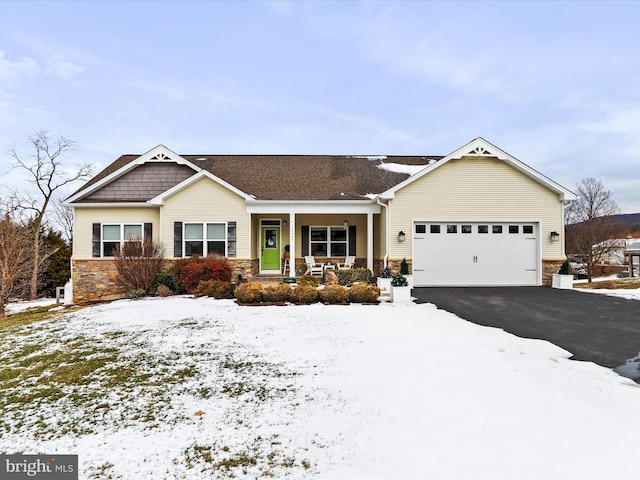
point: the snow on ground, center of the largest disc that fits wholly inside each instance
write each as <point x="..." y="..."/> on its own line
<point x="23" y="305"/>
<point x="630" y="294"/>
<point x="329" y="392"/>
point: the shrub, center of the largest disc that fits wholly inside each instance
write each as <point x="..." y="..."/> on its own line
<point x="565" y="268"/>
<point x="276" y="293"/>
<point x="138" y="263"/>
<point x="364" y="293"/>
<point x="353" y="275"/>
<point x="163" y="291"/>
<point x="404" y="267"/>
<point x="194" y="270"/>
<point x="249" y="292"/>
<point x="303" y="294"/>
<point x="169" y="279"/>
<point x="334" y="294"/>
<point x="309" y="280"/>
<point x="136" y="294"/>
<point x="385" y="273"/>
<point x="399" y="280"/>
<point x="215" y="289"/>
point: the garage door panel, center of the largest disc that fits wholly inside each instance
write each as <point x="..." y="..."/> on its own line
<point x="487" y="255"/>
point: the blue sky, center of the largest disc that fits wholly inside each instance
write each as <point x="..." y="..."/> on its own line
<point x="555" y="84"/>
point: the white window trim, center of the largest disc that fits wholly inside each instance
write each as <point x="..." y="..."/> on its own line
<point x="204" y="240"/>
<point x="122" y="239"/>
<point x="328" y="241"/>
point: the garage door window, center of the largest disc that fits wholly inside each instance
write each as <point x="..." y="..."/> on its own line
<point x="483" y="228"/>
<point x="496" y="228"/>
<point x="421" y="229"/>
<point x="466" y="228"/>
<point x="434" y="228"/>
<point x="527" y="229"/>
<point x="514" y="229"/>
<point x="452" y="228"/>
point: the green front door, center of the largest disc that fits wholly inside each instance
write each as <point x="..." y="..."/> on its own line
<point x="270" y="246"/>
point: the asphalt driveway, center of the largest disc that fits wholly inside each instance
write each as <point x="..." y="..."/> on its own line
<point x="597" y="328"/>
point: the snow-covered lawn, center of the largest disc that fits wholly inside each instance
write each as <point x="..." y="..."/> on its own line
<point x="185" y="388"/>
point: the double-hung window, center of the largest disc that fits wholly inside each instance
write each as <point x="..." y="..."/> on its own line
<point x="328" y="241"/>
<point x="205" y="239"/>
<point x="115" y="235"/>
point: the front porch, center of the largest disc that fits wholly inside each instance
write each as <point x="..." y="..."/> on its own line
<point x="280" y="240"/>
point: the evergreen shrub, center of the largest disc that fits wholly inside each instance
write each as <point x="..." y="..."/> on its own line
<point x="364" y="293"/>
<point x="309" y="280"/>
<point x="215" y="289"/>
<point x="303" y="294"/>
<point x="353" y="275"/>
<point x="169" y="279"/>
<point x="249" y="292"/>
<point x="334" y="294"/>
<point x="276" y="293"/>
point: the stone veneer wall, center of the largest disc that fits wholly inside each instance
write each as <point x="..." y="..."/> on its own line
<point x="95" y="280"/>
<point x="549" y="267"/>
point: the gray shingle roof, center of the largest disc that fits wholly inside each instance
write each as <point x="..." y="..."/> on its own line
<point x="266" y="177"/>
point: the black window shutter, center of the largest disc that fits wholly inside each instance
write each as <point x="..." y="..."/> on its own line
<point x="352" y="239"/>
<point x="177" y="239"/>
<point x="305" y="240"/>
<point x="148" y="232"/>
<point x="231" y="239"/>
<point x="96" y="240"/>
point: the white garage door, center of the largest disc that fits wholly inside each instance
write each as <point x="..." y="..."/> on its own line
<point x="490" y="253"/>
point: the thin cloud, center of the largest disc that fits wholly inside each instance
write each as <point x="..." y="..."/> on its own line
<point x="13" y="71"/>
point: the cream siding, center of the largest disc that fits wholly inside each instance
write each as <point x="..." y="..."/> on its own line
<point x="207" y="201"/>
<point x="476" y="189"/>
<point x="86" y="217"/>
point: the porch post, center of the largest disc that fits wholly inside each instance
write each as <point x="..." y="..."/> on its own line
<point x="292" y="244"/>
<point x="370" y="241"/>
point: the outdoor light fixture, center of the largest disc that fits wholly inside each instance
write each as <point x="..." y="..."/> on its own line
<point x="346" y="223"/>
<point x="284" y="223"/>
<point x="401" y="236"/>
<point x="555" y="236"/>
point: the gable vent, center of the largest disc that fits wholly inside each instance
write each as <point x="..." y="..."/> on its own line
<point x="161" y="156"/>
<point x="480" y="152"/>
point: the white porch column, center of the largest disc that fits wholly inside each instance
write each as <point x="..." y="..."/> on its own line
<point x="292" y="244"/>
<point x="370" y="241"/>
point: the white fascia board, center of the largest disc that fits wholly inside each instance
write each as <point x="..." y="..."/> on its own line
<point x="315" y="207"/>
<point x="111" y="205"/>
<point x="160" y="153"/>
<point x="479" y="147"/>
<point x="159" y="200"/>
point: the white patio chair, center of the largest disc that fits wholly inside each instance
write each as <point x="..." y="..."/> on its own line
<point x="313" y="267"/>
<point x="347" y="264"/>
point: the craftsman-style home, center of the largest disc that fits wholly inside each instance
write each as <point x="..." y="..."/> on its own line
<point x="477" y="216"/>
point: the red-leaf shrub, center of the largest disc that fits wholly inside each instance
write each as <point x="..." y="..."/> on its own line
<point x="196" y="269"/>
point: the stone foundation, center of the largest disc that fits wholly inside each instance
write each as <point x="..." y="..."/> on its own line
<point x="549" y="267"/>
<point x="95" y="280"/>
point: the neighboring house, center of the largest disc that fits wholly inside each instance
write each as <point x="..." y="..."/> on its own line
<point x="477" y="216"/>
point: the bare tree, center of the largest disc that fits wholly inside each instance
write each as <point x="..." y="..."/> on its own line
<point x="45" y="171"/>
<point x="63" y="218"/>
<point x="16" y="259"/>
<point x="591" y="224"/>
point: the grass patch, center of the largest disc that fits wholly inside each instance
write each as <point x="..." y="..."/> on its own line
<point x="622" y="284"/>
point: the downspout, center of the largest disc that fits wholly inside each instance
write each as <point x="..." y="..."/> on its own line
<point x="386" y="240"/>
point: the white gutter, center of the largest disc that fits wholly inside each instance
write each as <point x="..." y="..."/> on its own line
<point x="386" y="240"/>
